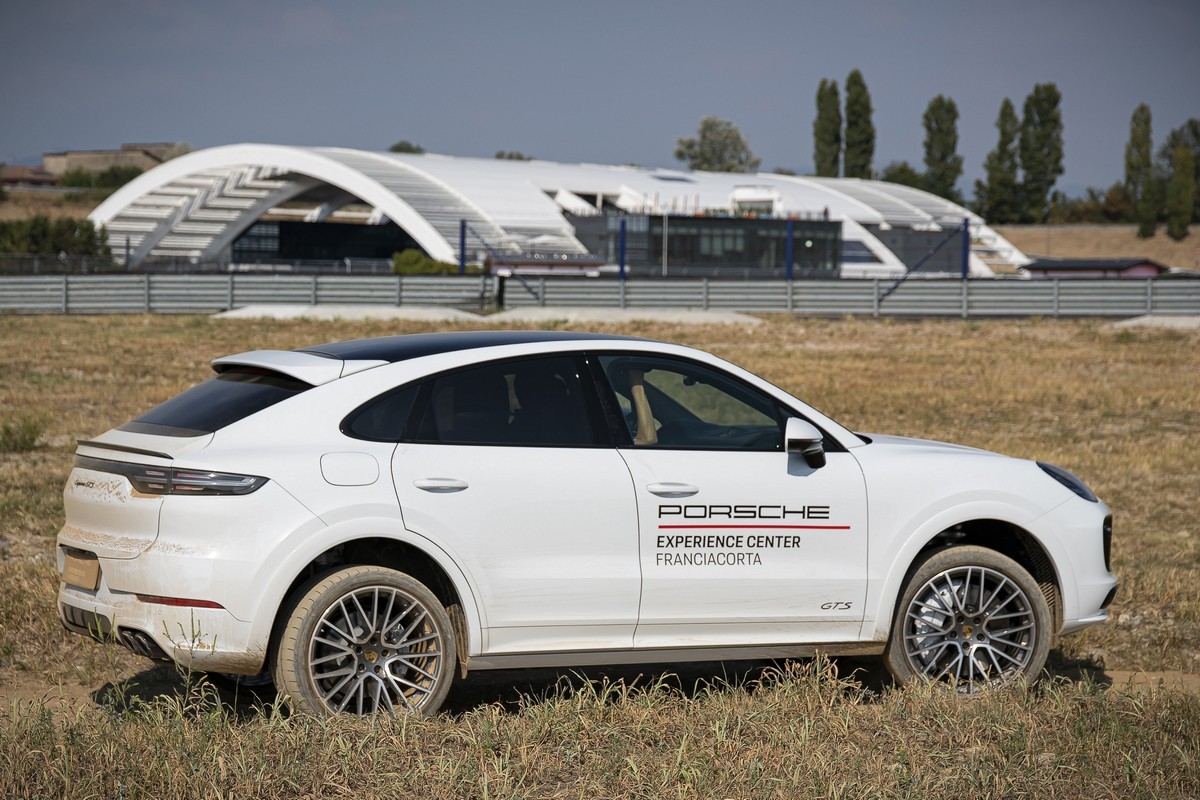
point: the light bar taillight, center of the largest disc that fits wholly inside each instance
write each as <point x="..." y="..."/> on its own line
<point x="148" y="479"/>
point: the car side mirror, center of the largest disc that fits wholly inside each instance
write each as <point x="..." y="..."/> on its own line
<point x="803" y="437"/>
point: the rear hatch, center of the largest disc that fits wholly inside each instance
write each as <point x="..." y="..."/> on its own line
<point x="105" y="513"/>
<point x="119" y="481"/>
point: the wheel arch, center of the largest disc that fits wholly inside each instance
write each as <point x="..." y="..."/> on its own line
<point x="1010" y="540"/>
<point x="402" y="556"/>
<point x="381" y="546"/>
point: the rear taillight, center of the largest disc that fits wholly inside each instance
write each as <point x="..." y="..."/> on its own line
<point x="148" y="479"/>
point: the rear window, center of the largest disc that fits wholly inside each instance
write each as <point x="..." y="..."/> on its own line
<point x="233" y="395"/>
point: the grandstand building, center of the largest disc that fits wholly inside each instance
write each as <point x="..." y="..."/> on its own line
<point x="252" y="203"/>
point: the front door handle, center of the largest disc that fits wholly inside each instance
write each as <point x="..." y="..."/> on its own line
<point x="440" y="484"/>
<point x="672" y="489"/>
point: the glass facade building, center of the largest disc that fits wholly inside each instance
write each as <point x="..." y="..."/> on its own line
<point x="716" y="246"/>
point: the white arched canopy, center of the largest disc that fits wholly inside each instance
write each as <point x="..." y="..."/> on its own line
<point x="195" y="206"/>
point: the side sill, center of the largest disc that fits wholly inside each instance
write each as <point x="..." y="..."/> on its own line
<point x="596" y="658"/>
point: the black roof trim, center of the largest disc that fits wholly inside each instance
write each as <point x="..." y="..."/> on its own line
<point x="416" y="345"/>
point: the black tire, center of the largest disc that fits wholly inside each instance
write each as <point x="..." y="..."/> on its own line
<point x="972" y="618"/>
<point x="366" y="640"/>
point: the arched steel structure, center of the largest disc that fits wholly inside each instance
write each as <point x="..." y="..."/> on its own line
<point x="194" y="207"/>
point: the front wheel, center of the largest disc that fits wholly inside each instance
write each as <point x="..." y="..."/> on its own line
<point x="366" y="640"/>
<point x="972" y="618"/>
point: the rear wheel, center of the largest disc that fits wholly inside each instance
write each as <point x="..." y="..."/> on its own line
<point x="366" y="640"/>
<point x="972" y="618"/>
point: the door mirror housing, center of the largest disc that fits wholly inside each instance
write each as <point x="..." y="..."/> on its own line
<point x="803" y="437"/>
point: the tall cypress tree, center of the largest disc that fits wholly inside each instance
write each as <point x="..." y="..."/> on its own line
<point x="998" y="199"/>
<point x="1186" y="135"/>
<point x="1139" y="173"/>
<point x="827" y="130"/>
<point x="943" y="164"/>
<point x="1181" y="192"/>
<point x="1041" y="150"/>
<point x="860" y="132"/>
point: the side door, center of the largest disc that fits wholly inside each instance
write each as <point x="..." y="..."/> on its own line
<point x="510" y="467"/>
<point x="741" y="542"/>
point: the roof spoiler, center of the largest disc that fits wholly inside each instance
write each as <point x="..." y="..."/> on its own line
<point x="308" y="367"/>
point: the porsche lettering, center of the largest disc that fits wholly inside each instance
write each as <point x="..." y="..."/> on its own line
<point x="741" y="511"/>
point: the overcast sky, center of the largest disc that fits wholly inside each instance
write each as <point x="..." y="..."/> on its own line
<point x="605" y="82"/>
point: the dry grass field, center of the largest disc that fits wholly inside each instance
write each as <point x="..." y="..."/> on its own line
<point x="1119" y="407"/>
<point x="1104" y="241"/>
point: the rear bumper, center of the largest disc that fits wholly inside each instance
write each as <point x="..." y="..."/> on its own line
<point x="209" y="639"/>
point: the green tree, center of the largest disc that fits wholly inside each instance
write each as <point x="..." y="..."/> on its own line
<point x="943" y="164"/>
<point x="827" y="131"/>
<point x="718" y="147"/>
<point x="1139" y="172"/>
<point x="997" y="198"/>
<point x="1040" y="149"/>
<point x="860" y="131"/>
<point x="1186" y="135"/>
<point x="1116" y="206"/>
<point x="903" y="173"/>
<point x="112" y="178"/>
<point x="405" y="146"/>
<point x="2" y="189"/>
<point x="512" y="155"/>
<point x="1181" y="192"/>
<point x="43" y="235"/>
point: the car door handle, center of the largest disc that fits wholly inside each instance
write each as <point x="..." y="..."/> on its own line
<point x="672" y="489"/>
<point x="440" y="484"/>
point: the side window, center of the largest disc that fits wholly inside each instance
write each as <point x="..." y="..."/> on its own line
<point x="382" y="419"/>
<point x="527" y="402"/>
<point x="678" y="404"/>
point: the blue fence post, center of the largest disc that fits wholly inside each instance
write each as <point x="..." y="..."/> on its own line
<point x="790" y="252"/>
<point x="966" y="247"/>
<point x="621" y="248"/>
<point x="462" y="247"/>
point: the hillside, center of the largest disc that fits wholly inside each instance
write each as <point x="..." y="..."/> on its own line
<point x="1103" y="241"/>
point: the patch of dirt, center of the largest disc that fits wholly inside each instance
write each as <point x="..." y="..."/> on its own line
<point x="1148" y="681"/>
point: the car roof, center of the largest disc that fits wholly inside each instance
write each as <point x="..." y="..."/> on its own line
<point x="416" y="345"/>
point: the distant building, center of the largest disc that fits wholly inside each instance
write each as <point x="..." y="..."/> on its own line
<point x="27" y="176"/>
<point x="1095" y="268"/>
<point x="144" y="156"/>
<point x="274" y="204"/>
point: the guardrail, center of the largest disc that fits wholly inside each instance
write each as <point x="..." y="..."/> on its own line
<point x="204" y="294"/>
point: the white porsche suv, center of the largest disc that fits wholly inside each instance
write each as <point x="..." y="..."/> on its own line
<point x="359" y="521"/>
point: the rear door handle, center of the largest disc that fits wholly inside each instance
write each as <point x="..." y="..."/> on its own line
<point x="440" y="484"/>
<point x="672" y="489"/>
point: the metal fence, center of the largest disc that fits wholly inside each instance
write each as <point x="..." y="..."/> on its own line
<point x="203" y="294"/>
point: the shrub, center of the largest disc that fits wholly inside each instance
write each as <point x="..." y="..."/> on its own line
<point x="19" y="432"/>
<point x="414" y="262"/>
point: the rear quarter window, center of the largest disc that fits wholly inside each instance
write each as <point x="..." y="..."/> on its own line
<point x="233" y="395"/>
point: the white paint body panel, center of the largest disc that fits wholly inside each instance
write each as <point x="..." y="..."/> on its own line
<point x="774" y="591"/>
<point x="555" y="568"/>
